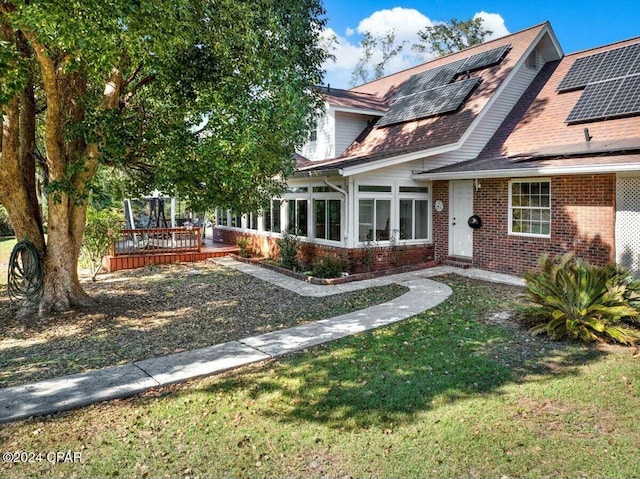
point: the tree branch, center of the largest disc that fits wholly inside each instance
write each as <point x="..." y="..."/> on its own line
<point x="145" y="81"/>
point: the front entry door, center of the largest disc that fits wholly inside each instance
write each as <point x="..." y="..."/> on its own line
<point x="460" y="233"/>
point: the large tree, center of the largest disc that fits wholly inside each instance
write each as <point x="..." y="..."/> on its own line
<point x="444" y="38"/>
<point x="377" y="52"/>
<point x="207" y="99"/>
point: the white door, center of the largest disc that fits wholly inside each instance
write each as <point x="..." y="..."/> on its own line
<point x="460" y="233"/>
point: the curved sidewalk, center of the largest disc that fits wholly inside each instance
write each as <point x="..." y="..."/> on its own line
<point x="73" y="391"/>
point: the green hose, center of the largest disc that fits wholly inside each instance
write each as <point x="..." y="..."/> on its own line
<point x="24" y="280"/>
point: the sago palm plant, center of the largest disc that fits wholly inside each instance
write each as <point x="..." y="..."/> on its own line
<point x="570" y="298"/>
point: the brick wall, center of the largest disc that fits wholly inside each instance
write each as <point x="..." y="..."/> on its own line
<point x="357" y="260"/>
<point x="582" y="220"/>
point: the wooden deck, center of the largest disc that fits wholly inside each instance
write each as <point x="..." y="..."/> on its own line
<point x="208" y="249"/>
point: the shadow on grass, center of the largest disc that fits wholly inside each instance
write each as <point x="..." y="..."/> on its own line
<point x="387" y="376"/>
<point x="154" y="314"/>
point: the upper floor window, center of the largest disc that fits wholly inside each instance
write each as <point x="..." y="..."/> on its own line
<point x="530" y="208"/>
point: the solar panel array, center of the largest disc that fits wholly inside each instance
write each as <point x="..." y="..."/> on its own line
<point x="602" y="66"/>
<point x="433" y="93"/>
<point x="435" y="101"/>
<point x="445" y="74"/>
<point x="611" y="82"/>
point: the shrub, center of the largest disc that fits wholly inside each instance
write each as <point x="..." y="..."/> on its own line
<point x="289" y="246"/>
<point x="5" y="223"/>
<point x="327" y="268"/>
<point x="570" y="298"/>
<point x="103" y="228"/>
<point x="243" y="244"/>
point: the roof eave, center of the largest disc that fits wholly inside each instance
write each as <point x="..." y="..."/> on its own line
<point x="317" y="173"/>
<point x="527" y="172"/>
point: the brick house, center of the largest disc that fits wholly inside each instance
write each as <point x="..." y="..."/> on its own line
<point x="489" y="157"/>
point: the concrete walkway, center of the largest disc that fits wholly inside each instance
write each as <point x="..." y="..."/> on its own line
<point x="77" y="390"/>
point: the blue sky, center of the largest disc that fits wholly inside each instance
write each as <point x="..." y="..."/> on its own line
<point x="578" y="24"/>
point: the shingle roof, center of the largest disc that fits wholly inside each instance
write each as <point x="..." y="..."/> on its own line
<point x="353" y="99"/>
<point x="423" y="134"/>
<point x="535" y="133"/>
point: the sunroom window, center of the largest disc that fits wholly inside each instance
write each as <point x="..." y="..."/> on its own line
<point x="327" y="218"/>
<point x="374" y="219"/>
<point x="271" y="217"/>
<point x="530" y="208"/>
<point x="297" y="221"/>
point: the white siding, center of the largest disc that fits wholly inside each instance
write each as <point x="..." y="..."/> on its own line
<point x="494" y="116"/>
<point x="324" y="146"/>
<point x="348" y="128"/>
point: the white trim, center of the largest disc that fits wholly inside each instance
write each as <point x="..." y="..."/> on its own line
<point x="358" y="111"/>
<point x="394" y="160"/>
<point x="528" y="172"/>
<point x="510" y="209"/>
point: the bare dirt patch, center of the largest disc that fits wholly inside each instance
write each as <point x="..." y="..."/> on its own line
<point x="155" y="311"/>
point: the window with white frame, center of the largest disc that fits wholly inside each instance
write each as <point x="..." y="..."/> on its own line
<point x="252" y="221"/>
<point x="530" y="208"/>
<point x="236" y="220"/>
<point x="414" y="213"/>
<point x="374" y="212"/>
<point x="297" y="216"/>
<point x="271" y="216"/>
<point x="327" y="216"/>
<point x="221" y="217"/>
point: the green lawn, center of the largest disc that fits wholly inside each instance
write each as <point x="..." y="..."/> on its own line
<point x="6" y="245"/>
<point x="443" y="394"/>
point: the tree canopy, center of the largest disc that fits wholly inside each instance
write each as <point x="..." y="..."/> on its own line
<point x="437" y="40"/>
<point x="444" y="38"/>
<point x="205" y="99"/>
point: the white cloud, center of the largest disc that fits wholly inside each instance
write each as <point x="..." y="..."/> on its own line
<point x="405" y="23"/>
<point x="493" y="22"/>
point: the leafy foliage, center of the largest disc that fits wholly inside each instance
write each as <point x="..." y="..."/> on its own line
<point x="327" y="268"/>
<point x="387" y="44"/>
<point x="445" y="38"/>
<point x="570" y="298"/>
<point x="5" y="223"/>
<point x="289" y="246"/>
<point x="243" y="245"/>
<point x="103" y="228"/>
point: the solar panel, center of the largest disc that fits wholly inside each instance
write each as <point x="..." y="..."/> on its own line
<point x="428" y="79"/>
<point x="594" y="101"/>
<point x="580" y="73"/>
<point x="485" y="59"/>
<point x="445" y="74"/>
<point x="435" y="101"/>
<point x="603" y="66"/>
<point x="616" y="63"/>
<point x="627" y="99"/>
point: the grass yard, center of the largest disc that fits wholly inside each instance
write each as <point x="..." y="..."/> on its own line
<point x="155" y="311"/>
<point x="453" y="392"/>
<point x="6" y="245"/>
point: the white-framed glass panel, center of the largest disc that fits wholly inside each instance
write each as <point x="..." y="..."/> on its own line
<point x="297" y="216"/>
<point x="222" y="218"/>
<point x="236" y="220"/>
<point x="272" y="217"/>
<point x="327" y="216"/>
<point x="374" y="219"/>
<point x="253" y="221"/>
<point x="530" y="208"/>
<point x="414" y="213"/>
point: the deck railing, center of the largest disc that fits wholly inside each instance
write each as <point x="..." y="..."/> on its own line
<point x="147" y="241"/>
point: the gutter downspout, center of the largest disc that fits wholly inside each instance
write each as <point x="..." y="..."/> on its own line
<point x="346" y="202"/>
